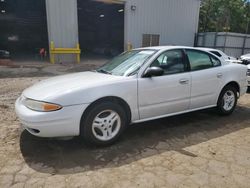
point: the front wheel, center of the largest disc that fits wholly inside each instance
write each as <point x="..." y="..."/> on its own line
<point x="104" y="123"/>
<point x="227" y="101"/>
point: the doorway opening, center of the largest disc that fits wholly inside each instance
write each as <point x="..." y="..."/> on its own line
<point x="101" y="27"/>
<point x="23" y="28"/>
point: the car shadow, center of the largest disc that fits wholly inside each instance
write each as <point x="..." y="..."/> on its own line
<point x="139" y="141"/>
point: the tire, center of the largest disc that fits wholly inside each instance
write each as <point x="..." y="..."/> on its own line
<point x="98" y="127"/>
<point x="227" y="101"/>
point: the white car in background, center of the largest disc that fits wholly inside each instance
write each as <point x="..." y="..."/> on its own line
<point x="136" y="86"/>
<point x="221" y="54"/>
<point x="246" y="61"/>
<point x="248" y="75"/>
<point x="245" y="58"/>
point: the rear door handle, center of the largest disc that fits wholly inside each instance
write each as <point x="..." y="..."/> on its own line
<point x="219" y="75"/>
<point x="183" y="81"/>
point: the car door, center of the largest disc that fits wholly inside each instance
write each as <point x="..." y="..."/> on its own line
<point x="169" y="93"/>
<point x="206" y="76"/>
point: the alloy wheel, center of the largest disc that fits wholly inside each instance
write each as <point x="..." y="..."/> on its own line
<point x="229" y="100"/>
<point x="106" y="125"/>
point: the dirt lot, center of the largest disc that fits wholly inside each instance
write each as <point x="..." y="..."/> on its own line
<point x="199" y="149"/>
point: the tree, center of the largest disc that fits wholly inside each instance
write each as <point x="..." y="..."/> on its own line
<point x="224" y="15"/>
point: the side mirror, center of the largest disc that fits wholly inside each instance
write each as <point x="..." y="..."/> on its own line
<point x="153" y="71"/>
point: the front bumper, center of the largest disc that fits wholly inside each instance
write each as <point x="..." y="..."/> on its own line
<point x="61" y="123"/>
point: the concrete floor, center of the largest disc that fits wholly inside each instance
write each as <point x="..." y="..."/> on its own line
<point x="199" y="149"/>
<point x="16" y="69"/>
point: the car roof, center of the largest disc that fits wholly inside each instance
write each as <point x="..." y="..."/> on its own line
<point x="206" y="48"/>
<point x="209" y="49"/>
<point x="164" y="47"/>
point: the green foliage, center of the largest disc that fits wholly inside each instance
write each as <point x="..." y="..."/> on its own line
<point x="225" y="15"/>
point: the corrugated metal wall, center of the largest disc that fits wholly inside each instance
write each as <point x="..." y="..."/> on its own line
<point x="62" y="25"/>
<point x="176" y="21"/>
<point x="62" y="22"/>
<point x="234" y="44"/>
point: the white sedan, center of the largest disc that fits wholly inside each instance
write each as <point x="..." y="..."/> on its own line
<point x="248" y="75"/>
<point x="246" y="61"/>
<point x="137" y="86"/>
<point x="245" y="58"/>
<point x="221" y="54"/>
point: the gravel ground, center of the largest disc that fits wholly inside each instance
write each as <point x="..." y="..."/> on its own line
<point x="198" y="149"/>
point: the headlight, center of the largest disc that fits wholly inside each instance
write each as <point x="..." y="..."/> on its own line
<point x="40" y="106"/>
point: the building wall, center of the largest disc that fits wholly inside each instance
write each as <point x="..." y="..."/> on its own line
<point x="176" y="21"/>
<point x="62" y="25"/>
<point x="62" y="22"/>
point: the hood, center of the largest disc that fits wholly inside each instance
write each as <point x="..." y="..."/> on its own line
<point x="66" y="84"/>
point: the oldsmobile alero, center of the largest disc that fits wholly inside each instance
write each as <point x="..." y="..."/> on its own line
<point x="136" y="86"/>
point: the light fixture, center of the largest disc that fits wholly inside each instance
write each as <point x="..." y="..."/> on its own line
<point x="133" y="7"/>
<point x="121" y="10"/>
<point x="101" y="16"/>
<point x="3" y="11"/>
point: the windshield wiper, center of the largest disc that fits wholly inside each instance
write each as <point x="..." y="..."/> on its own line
<point x="103" y="71"/>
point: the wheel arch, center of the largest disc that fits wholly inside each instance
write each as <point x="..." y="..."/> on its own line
<point x="234" y="84"/>
<point x="114" y="99"/>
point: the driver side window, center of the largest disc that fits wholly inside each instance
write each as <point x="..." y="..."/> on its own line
<point x="171" y="62"/>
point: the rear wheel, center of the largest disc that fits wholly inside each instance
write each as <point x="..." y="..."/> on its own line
<point x="103" y="123"/>
<point x="227" y="101"/>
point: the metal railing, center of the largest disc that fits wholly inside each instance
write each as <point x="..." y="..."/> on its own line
<point x="54" y="51"/>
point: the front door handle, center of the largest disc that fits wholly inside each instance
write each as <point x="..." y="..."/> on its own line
<point x="184" y="81"/>
<point x="219" y="75"/>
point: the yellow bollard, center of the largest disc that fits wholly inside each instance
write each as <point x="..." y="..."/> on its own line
<point x="129" y="46"/>
<point x="52" y="56"/>
<point x="78" y="56"/>
<point x="54" y="51"/>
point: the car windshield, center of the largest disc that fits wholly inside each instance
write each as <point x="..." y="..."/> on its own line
<point x="127" y="64"/>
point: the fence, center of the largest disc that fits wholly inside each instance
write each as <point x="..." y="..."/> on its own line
<point x="233" y="44"/>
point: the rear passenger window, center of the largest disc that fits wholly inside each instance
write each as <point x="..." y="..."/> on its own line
<point x="199" y="60"/>
<point x="216" y="62"/>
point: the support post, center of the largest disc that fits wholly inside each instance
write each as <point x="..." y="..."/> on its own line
<point x="244" y="45"/>
<point x="215" y="39"/>
<point x="52" y="56"/>
<point x="78" y="55"/>
<point x="129" y="47"/>
<point x="225" y="42"/>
